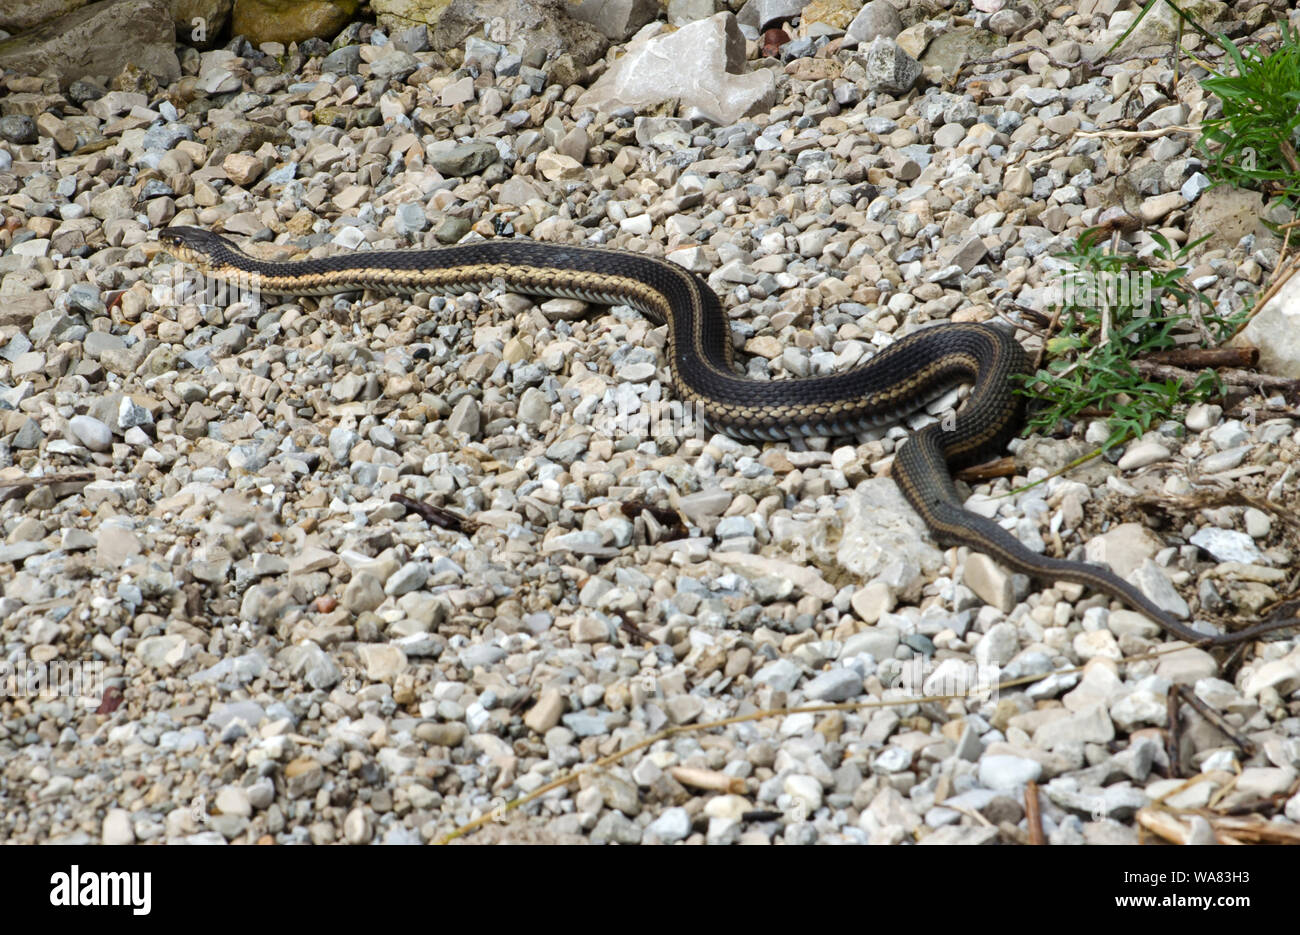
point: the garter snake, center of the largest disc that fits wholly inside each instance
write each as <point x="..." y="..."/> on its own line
<point x="898" y="380"/>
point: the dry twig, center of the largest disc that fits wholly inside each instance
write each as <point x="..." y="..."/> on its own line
<point x="1244" y="744"/>
<point x="1033" y="815"/>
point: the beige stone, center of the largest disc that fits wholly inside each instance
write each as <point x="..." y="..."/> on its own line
<point x="242" y="169"/>
<point x="286" y="21"/>
<point x="989" y="581"/>
<point x="98" y="40"/>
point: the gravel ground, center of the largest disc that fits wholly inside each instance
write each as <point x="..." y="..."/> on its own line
<point x="284" y="654"/>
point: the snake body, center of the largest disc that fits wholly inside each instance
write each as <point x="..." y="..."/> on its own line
<point x="898" y="380"/>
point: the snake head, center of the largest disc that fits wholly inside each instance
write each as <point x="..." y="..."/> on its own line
<point x="192" y="237"/>
<point x="195" y="245"/>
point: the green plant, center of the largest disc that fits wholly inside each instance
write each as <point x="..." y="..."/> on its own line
<point x="1091" y="361"/>
<point x="1253" y="145"/>
<point x="1112" y="312"/>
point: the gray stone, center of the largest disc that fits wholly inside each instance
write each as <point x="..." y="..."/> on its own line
<point x="341" y="442"/>
<point x="452" y="229"/>
<point x="534" y="407"/>
<point x="1090" y="725"/>
<point x="52" y="325"/>
<point x="364" y="592"/>
<point x="243" y="668"/>
<point x="226" y="713"/>
<point x="394" y="64"/>
<point x="702" y="65"/>
<point x="616" y="19"/>
<point x="1225" y="215"/>
<point x="580" y="542"/>
<point x="19" y="552"/>
<point x="481" y="655"/>
<point x="883" y="538"/>
<point x="892" y="760"/>
<point x="99" y="39"/>
<point x="410" y="577"/>
<point x="1140" y="708"/>
<point x="880" y="642"/>
<point x="550" y="28"/>
<point x="876" y="18"/>
<point x="97" y="342"/>
<point x="18" y="128"/>
<point x="410" y="219"/>
<point x="834" y="685"/>
<point x="83" y="92"/>
<point x="115" y="203"/>
<point x="231" y="340"/>
<point x="21" y="15"/>
<point x="1231" y="434"/>
<point x="91" y="432"/>
<point x="672" y="826"/>
<point x="889" y="68"/>
<point x="681" y="12"/>
<point x="414" y="39"/>
<point x="1162" y="25"/>
<point x="586" y="724"/>
<point x="998" y="645"/>
<point x="1124" y="548"/>
<point x="970" y="746"/>
<point x="313" y="665"/>
<point x="1155" y="584"/>
<point x="18" y="345"/>
<point x="1196" y="183"/>
<point x="1006" y="22"/>
<point x="29" y="435"/>
<point x="343" y="61"/>
<point x="1224" y="460"/>
<point x="1275" y="328"/>
<point x="615" y="828"/>
<point x="734" y="526"/>
<point x="954" y="46"/>
<point x="962" y="835"/>
<point x="465" y="418"/>
<point x="1119" y="801"/>
<point x="760" y="15"/>
<point x="1005" y="773"/>
<point x="238" y="135"/>
<point x="704" y="507"/>
<point x="130" y="414"/>
<point x="1188" y="666"/>
<point x="782" y="675"/>
<point x="1227" y="545"/>
<point x="157" y="651"/>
